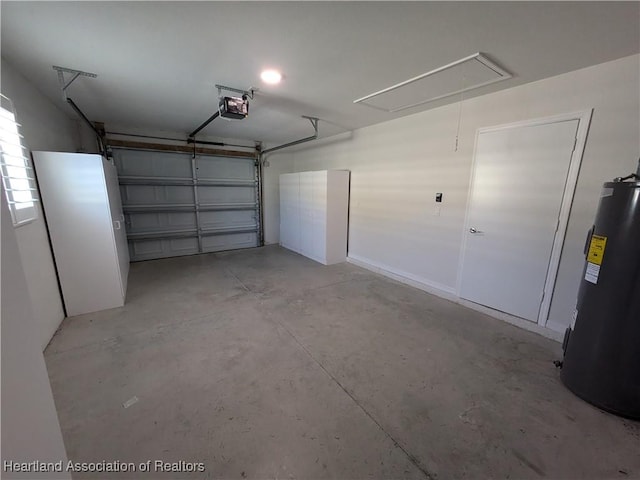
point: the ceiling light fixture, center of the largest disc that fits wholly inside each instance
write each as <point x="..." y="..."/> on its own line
<point x="271" y="77"/>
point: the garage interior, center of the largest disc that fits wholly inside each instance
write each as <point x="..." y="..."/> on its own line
<point x="364" y="270"/>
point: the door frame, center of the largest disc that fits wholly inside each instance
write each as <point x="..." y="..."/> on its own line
<point x="584" y="120"/>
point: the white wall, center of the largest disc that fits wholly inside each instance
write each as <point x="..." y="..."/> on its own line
<point x="45" y="127"/>
<point x="278" y="163"/>
<point x="398" y="166"/>
<point x="30" y="427"/>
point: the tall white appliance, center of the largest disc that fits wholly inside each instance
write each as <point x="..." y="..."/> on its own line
<point x="81" y="201"/>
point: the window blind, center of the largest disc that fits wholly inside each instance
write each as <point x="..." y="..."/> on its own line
<point x="17" y="174"/>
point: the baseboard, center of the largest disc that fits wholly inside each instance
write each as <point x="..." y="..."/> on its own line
<point x="552" y="331"/>
<point x="404" y="277"/>
<point x="516" y="321"/>
<point x="557" y="327"/>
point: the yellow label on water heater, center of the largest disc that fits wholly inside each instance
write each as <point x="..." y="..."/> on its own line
<point x="596" y="249"/>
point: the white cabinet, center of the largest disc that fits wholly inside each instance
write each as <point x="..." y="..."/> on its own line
<point x="81" y="201"/>
<point x="290" y="211"/>
<point x="314" y="214"/>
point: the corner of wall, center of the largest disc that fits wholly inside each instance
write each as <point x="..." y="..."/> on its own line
<point x="30" y="427"/>
<point x="278" y="163"/>
<point x="44" y="127"/>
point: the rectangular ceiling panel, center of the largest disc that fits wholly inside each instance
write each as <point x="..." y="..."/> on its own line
<point x="460" y="76"/>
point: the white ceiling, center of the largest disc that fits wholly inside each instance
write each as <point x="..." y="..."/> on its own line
<point x="157" y="62"/>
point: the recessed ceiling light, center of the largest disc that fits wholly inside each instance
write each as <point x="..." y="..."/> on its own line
<point x="271" y="76"/>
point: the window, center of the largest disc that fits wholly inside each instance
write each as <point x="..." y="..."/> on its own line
<point x="17" y="175"/>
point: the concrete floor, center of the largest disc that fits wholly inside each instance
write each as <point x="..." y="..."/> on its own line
<point x="264" y="364"/>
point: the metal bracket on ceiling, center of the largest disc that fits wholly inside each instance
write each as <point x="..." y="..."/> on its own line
<point x="64" y="85"/>
<point x="75" y="74"/>
<point x="314" y="122"/>
<point x="249" y="93"/>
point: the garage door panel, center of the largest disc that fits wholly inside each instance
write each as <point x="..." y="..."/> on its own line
<point x="183" y="245"/>
<point x="162" y="248"/>
<point x="165" y="217"/>
<point x="138" y="222"/>
<point x="227" y="219"/>
<point x="142" y="248"/>
<point x="157" y="194"/>
<point x="226" y="195"/>
<point x="218" y="168"/>
<point x="217" y="243"/>
<point x="152" y="164"/>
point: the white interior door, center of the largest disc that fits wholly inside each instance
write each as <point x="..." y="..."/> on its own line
<point x="517" y="191"/>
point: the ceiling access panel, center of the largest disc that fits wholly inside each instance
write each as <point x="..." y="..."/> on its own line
<point x="466" y="74"/>
<point x="176" y="205"/>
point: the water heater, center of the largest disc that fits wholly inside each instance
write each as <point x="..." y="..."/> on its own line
<point x="602" y="349"/>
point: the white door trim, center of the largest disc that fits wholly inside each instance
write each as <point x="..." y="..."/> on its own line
<point x="584" y="120"/>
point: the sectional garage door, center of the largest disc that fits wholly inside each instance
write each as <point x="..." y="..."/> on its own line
<point x="175" y="204"/>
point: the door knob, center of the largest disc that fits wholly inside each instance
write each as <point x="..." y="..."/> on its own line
<point x="474" y="230"/>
